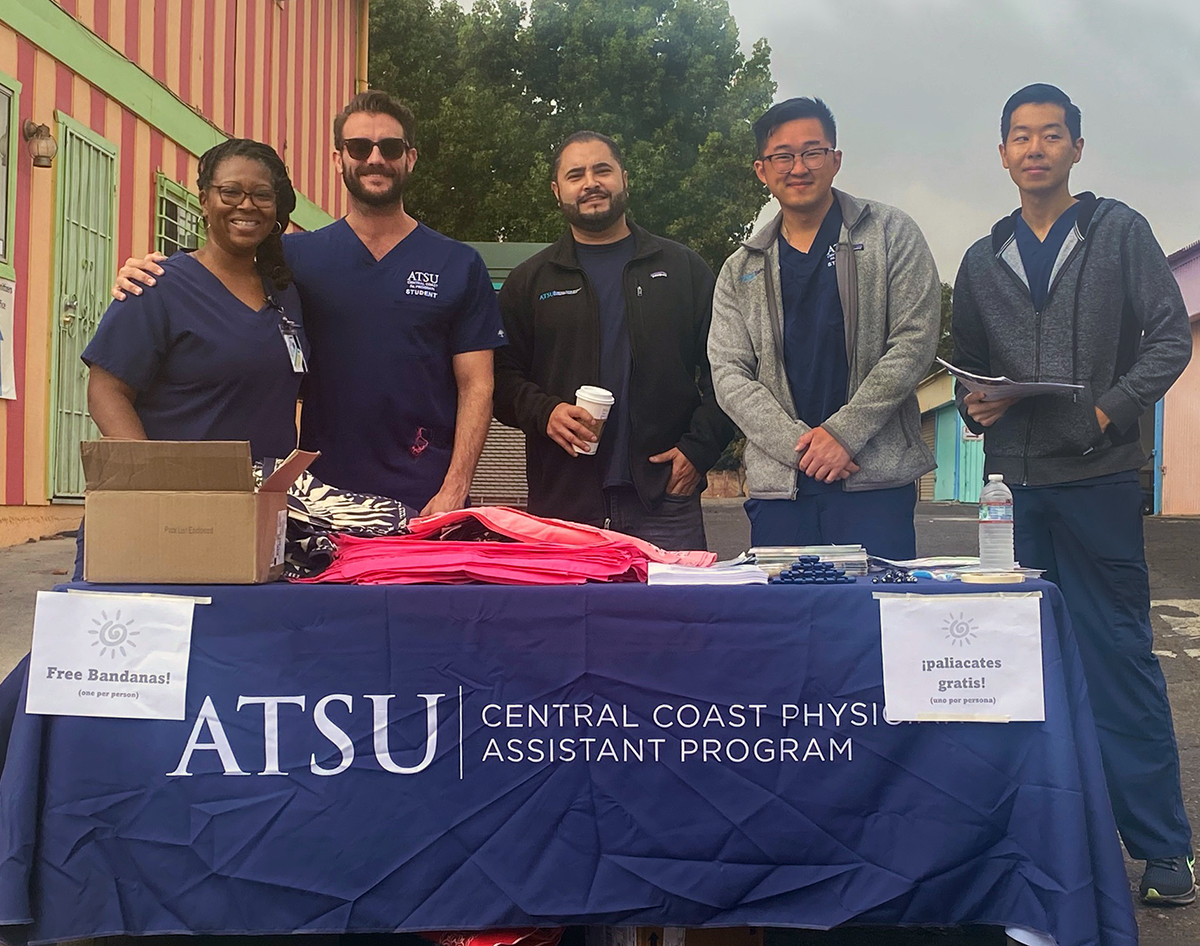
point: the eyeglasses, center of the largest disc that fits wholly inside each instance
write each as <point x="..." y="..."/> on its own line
<point x="784" y="161"/>
<point x="232" y="195"/>
<point x="390" y="148"/>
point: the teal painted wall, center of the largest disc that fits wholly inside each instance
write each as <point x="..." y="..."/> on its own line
<point x="970" y="468"/>
<point x="946" y="453"/>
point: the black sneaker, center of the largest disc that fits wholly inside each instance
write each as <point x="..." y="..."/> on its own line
<point x="1169" y="881"/>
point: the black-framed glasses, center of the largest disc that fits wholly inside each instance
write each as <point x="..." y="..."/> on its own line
<point x="231" y="195"/>
<point x="784" y="161"/>
<point x="391" y="148"/>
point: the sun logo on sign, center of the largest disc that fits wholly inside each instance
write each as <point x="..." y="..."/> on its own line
<point x="112" y="634"/>
<point x="960" y="630"/>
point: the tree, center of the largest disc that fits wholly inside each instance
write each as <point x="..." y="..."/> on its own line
<point x="496" y="88"/>
<point x="945" y="348"/>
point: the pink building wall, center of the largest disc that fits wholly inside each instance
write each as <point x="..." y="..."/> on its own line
<point x="1181" y="406"/>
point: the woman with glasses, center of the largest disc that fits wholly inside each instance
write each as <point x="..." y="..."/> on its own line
<point x="219" y="351"/>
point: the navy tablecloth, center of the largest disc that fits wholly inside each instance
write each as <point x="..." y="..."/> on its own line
<point x="719" y="758"/>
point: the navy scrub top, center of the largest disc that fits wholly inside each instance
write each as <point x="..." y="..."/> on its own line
<point x="605" y="267"/>
<point x="814" y="331"/>
<point x="380" y="399"/>
<point x="1038" y="256"/>
<point x="205" y="366"/>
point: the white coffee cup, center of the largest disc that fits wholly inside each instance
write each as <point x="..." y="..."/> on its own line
<point x="598" y="402"/>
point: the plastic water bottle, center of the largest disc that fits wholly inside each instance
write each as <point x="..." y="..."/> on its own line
<point x="996" y="525"/>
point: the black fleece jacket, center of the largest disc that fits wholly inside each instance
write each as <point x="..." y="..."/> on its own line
<point x="1114" y="322"/>
<point x="552" y="318"/>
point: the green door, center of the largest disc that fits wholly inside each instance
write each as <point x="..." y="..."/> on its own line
<point x="946" y="453"/>
<point x="87" y="185"/>
<point x="970" y="465"/>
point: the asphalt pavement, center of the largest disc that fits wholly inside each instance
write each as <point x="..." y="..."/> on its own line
<point x="1172" y="549"/>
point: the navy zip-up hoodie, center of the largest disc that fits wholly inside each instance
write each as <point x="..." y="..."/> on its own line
<point x="1114" y="321"/>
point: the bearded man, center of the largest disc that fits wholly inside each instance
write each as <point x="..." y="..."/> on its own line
<point x="614" y="306"/>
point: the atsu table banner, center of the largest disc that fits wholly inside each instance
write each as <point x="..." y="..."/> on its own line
<point x="359" y="759"/>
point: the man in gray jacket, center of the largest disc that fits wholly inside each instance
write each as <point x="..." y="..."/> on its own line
<point x="823" y="323"/>
<point x="1075" y="289"/>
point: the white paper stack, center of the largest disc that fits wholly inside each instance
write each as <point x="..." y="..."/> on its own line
<point x="712" y="575"/>
<point x="928" y="562"/>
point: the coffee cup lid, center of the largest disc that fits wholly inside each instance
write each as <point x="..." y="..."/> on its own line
<point x="596" y="395"/>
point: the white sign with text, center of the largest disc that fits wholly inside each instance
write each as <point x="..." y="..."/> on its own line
<point x="110" y="655"/>
<point x="969" y="658"/>
<point x="8" y="374"/>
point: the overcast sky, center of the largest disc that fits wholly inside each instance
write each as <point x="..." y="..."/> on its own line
<point x="917" y="87"/>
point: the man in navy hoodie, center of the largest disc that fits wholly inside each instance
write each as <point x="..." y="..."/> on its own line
<point x="1075" y="289"/>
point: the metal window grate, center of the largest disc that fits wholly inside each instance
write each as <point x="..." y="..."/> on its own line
<point x="180" y="225"/>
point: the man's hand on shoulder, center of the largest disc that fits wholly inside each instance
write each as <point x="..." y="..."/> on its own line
<point x="135" y="274"/>
<point x="570" y="426"/>
<point x="823" y="458"/>
<point x="684" y="477"/>
<point x="986" y="413"/>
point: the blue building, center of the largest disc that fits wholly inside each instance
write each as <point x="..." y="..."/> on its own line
<point x="959" y="453"/>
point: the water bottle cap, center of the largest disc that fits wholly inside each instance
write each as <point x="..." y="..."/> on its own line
<point x="993" y="477"/>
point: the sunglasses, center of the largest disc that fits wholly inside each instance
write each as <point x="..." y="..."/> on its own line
<point x="390" y="148"/>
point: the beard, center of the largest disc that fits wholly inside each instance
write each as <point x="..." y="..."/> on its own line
<point x="393" y="195"/>
<point x="598" y="221"/>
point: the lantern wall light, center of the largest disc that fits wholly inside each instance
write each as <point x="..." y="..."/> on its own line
<point x="42" y="146"/>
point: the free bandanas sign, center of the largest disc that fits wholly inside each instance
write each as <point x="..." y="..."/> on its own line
<point x="110" y="655"/>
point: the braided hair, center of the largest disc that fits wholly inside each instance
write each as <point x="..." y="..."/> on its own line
<point x="268" y="259"/>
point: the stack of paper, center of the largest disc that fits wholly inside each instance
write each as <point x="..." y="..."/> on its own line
<point x="774" y="558"/>
<point x="929" y="562"/>
<point x="1002" y="387"/>
<point x="713" y="575"/>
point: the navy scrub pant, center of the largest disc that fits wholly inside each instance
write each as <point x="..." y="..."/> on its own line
<point x="1088" y="537"/>
<point x="880" y="520"/>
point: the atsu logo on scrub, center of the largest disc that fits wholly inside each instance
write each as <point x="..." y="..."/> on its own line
<point x="423" y="284"/>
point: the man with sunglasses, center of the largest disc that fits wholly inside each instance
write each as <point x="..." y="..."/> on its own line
<point x="823" y="324"/>
<point x="402" y="322"/>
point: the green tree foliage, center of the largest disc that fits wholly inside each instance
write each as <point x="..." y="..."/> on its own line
<point x="945" y="348"/>
<point x="497" y="87"/>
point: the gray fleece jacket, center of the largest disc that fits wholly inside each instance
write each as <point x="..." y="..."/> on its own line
<point x="1114" y="321"/>
<point x="891" y="304"/>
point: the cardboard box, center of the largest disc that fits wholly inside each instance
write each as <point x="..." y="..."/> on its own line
<point x="183" y="512"/>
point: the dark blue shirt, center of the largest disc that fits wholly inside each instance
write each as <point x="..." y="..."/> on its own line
<point x="1038" y="256"/>
<point x="205" y="366"/>
<point x="605" y="268"/>
<point x="380" y="399"/>
<point x="814" y="330"/>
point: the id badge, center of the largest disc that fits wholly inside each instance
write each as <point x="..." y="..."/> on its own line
<point x="295" y="353"/>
